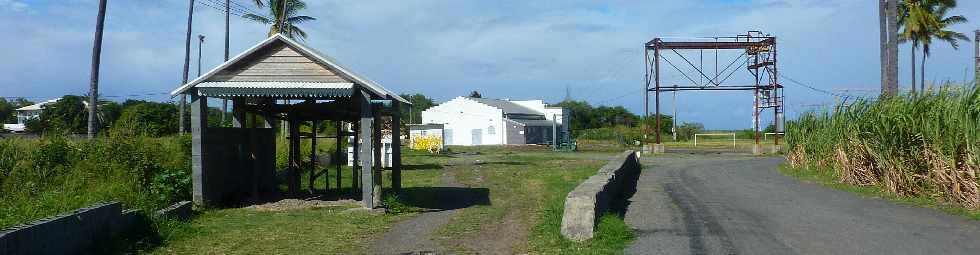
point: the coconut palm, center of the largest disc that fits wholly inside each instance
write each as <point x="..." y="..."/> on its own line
<point x="285" y="17"/>
<point x="924" y="20"/>
<point x="939" y="31"/>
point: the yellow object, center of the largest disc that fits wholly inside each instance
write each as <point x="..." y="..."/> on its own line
<point x="427" y="142"/>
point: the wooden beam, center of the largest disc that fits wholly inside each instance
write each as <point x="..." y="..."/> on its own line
<point x="338" y="156"/>
<point x="396" y="149"/>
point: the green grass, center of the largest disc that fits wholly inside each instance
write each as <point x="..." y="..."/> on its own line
<point x="826" y="178"/>
<point x="528" y="187"/>
<point x="333" y="230"/>
<point x="41" y="178"/>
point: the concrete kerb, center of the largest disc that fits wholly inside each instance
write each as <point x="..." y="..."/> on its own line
<point x="77" y="232"/>
<point x="181" y="210"/>
<point x="593" y="197"/>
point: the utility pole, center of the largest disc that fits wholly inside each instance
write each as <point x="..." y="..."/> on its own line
<point x="93" y="94"/>
<point x="200" y="47"/>
<point x="224" y="102"/>
<point x="673" y="119"/>
<point x="187" y="63"/>
<point x="976" y="65"/>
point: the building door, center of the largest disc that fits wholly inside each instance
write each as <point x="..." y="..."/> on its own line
<point x="477" y="136"/>
<point x="447" y="136"/>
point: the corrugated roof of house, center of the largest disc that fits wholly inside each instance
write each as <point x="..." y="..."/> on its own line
<point x="507" y="106"/>
<point x="39" y="106"/>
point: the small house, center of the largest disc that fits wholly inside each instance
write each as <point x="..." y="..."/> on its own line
<point x="482" y="121"/>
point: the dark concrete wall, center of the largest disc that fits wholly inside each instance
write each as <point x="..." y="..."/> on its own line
<point x="79" y="232"/>
<point x="231" y="168"/>
<point x="514" y="132"/>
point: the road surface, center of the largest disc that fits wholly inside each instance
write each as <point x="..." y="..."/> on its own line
<point x="713" y="204"/>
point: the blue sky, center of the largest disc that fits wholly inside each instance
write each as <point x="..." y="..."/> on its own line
<point x="447" y="48"/>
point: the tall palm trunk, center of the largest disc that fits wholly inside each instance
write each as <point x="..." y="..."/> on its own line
<point x="892" y="18"/>
<point x="922" y="74"/>
<point x="913" y="65"/>
<point x="93" y="94"/>
<point x="883" y="45"/>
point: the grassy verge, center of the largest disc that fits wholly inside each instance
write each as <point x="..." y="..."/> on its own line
<point x="337" y="229"/>
<point x="826" y="178"/>
<point x="527" y="189"/>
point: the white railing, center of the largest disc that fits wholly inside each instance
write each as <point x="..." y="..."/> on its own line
<point x="715" y="134"/>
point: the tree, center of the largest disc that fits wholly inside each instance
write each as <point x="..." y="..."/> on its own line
<point x="888" y="25"/>
<point x="686" y="130"/>
<point x="94" y="82"/>
<point x="413" y="114"/>
<point x="285" y="17"/>
<point x="8" y="109"/>
<point x="475" y="94"/>
<point x="148" y="118"/>
<point x="929" y="16"/>
<point x="67" y="115"/>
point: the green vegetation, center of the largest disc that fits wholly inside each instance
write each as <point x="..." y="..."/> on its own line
<point x="43" y="177"/>
<point x="914" y="145"/>
<point x="8" y="107"/>
<point x="283" y="17"/>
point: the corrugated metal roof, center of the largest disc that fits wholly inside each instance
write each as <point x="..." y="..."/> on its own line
<point x="275" y="89"/>
<point x="507" y="106"/>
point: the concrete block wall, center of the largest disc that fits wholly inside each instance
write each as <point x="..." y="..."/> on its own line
<point x="78" y="232"/>
<point x="587" y="202"/>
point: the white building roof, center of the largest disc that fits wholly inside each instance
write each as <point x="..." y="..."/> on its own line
<point x="38" y="106"/>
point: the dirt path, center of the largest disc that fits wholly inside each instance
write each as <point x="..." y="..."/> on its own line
<point x="417" y="235"/>
<point x="708" y="204"/>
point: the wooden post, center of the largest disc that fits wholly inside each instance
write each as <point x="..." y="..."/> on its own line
<point x="356" y="144"/>
<point x="366" y="149"/>
<point x="378" y="150"/>
<point x="294" y="153"/>
<point x="396" y="147"/>
<point x="238" y="113"/>
<point x="313" y="157"/>
<point x="252" y="158"/>
<point x="338" y="155"/>
<point x="199" y="121"/>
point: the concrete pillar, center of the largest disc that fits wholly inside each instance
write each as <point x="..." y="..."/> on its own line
<point x="396" y="147"/>
<point x="294" y="159"/>
<point x="199" y="121"/>
<point x="365" y="150"/>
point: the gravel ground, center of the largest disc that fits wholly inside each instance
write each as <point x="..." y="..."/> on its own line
<point x="725" y="204"/>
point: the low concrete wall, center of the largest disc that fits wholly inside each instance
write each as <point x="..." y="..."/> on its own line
<point x="181" y="211"/>
<point x="78" y="232"/>
<point x="585" y="204"/>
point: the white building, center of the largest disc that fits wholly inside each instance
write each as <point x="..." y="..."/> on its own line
<point x="27" y="113"/>
<point x="481" y="121"/>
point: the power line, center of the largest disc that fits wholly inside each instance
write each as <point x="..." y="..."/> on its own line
<point x="810" y="87"/>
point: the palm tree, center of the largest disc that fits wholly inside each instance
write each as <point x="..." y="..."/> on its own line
<point x="924" y="20"/>
<point x="285" y="17"/>
<point x="938" y="10"/>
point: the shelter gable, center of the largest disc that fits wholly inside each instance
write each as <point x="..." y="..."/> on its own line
<point x="279" y="62"/>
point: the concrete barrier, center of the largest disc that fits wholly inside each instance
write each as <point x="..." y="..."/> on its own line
<point x="587" y="202"/>
<point x="181" y="211"/>
<point x="79" y="232"/>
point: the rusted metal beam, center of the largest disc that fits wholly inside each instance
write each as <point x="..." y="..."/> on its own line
<point x="710" y="45"/>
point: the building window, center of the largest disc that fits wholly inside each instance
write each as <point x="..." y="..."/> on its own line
<point x="490" y="130"/>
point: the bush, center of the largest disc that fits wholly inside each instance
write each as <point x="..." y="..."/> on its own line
<point x="44" y="177"/>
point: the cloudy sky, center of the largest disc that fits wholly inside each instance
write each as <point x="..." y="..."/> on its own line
<point x="447" y="48"/>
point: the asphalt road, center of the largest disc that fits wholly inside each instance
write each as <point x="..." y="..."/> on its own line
<point x="711" y="204"/>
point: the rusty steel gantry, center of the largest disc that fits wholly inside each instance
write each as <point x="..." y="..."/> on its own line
<point x="759" y="51"/>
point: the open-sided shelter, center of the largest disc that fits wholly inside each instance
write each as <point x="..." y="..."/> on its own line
<point x="281" y="79"/>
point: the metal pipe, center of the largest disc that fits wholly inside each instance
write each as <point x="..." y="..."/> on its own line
<point x="656" y="64"/>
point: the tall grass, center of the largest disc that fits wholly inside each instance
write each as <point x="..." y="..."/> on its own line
<point x="43" y="177"/>
<point x="913" y="145"/>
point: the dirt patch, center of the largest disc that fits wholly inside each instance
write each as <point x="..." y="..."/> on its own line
<point x="505" y="237"/>
<point x="300" y="204"/>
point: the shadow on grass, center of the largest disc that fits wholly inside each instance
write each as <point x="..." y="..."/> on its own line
<point x="429" y="166"/>
<point x="444" y="198"/>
